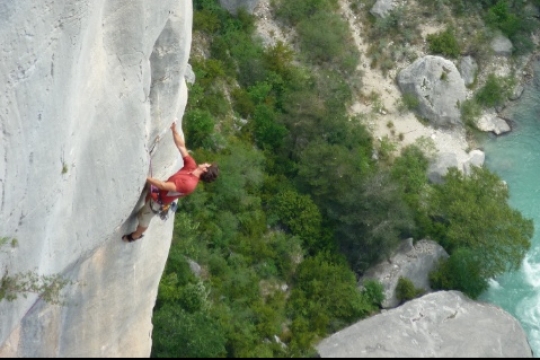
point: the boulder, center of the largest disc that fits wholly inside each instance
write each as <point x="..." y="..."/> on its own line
<point x="501" y="45"/>
<point x="411" y="261"/>
<point x="439" y="88"/>
<point x="531" y="10"/>
<point x="517" y="91"/>
<point x="443" y="324"/>
<point x="491" y="122"/>
<point x="382" y="8"/>
<point x="438" y="168"/>
<point x="195" y="268"/>
<point x="469" y="69"/>
<point x="476" y="158"/>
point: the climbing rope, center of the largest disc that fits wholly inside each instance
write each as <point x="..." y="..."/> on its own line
<point x="156" y="142"/>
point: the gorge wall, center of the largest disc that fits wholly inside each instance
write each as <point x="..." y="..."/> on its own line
<point x="87" y="86"/>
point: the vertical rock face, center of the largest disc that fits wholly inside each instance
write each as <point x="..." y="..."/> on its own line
<point x="87" y="86"/>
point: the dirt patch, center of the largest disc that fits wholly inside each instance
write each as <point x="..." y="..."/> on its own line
<point x="378" y="103"/>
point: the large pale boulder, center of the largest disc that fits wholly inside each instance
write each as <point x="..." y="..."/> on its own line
<point x="411" y="261"/>
<point x="491" y="122"/>
<point x="444" y="324"/>
<point x="87" y="86"/>
<point x="382" y="8"/>
<point x="439" y="88"/>
<point x="469" y="69"/>
<point x="439" y="166"/>
<point x="501" y="45"/>
<point x="476" y="158"/>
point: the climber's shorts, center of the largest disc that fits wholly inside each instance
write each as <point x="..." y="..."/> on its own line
<point x="146" y="214"/>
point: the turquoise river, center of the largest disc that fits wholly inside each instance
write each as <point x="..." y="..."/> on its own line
<point x="515" y="157"/>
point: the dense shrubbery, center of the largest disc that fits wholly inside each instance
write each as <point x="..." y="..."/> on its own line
<point x="338" y="301"/>
<point x="514" y="21"/>
<point x="494" y="92"/>
<point x="405" y="290"/>
<point x="444" y="43"/>
<point x="470" y="112"/>
<point x="301" y="207"/>
<point x="484" y="236"/>
<point x="460" y="272"/>
<point x="325" y="37"/>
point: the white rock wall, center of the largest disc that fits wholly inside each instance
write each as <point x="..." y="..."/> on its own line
<point x="86" y="86"/>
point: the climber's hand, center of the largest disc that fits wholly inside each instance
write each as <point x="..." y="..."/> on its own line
<point x="173" y="125"/>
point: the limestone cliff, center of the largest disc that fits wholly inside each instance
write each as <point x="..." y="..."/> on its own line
<point x="87" y="86"/>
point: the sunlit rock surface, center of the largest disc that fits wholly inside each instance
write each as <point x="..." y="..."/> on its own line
<point x="87" y="86"/>
<point x="441" y="324"/>
<point x="437" y="85"/>
<point x="411" y="261"/>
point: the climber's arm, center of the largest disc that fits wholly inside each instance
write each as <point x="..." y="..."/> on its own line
<point x="161" y="185"/>
<point x="179" y="141"/>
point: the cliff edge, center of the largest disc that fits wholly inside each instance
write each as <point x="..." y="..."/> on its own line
<point x="87" y="89"/>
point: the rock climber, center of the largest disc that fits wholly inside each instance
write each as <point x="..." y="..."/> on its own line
<point x="181" y="184"/>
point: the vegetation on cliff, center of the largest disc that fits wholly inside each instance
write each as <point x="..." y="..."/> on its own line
<point x="302" y="207"/>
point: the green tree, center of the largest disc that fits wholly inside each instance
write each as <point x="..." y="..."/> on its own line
<point x="500" y="17"/>
<point x="244" y="166"/>
<point x="199" y="126"/>
<point x="294" y="11"/>
<point x="405" y="290"/>
<point x="269" y="134"/>
<point x="278" y="58"/>
<point x="470" y="112"/>
<point x="472" y="212"/>
<point x="325" y="37"/>
<point x="374" y="291"/>
<point x="300" y="215"/>
<point x="180" y="334"/>
<point x="409" y="171"/>
<point x="461" y="271"/>
<point x="444" y="43"/>
<point x="325" y="294"/>
<point x="330" y="172"/>
<point x="372" y="219"/>
<point x="494" y="91"/>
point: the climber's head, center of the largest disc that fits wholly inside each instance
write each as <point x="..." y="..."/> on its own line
<point x="210" y="172"/>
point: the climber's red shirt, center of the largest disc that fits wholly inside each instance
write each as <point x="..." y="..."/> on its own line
<point x="184" y="180"/>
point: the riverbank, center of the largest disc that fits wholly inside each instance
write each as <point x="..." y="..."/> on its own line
<point x="377" y="105"/>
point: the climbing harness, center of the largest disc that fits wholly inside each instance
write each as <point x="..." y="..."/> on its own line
<point x="163" y="209"/>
